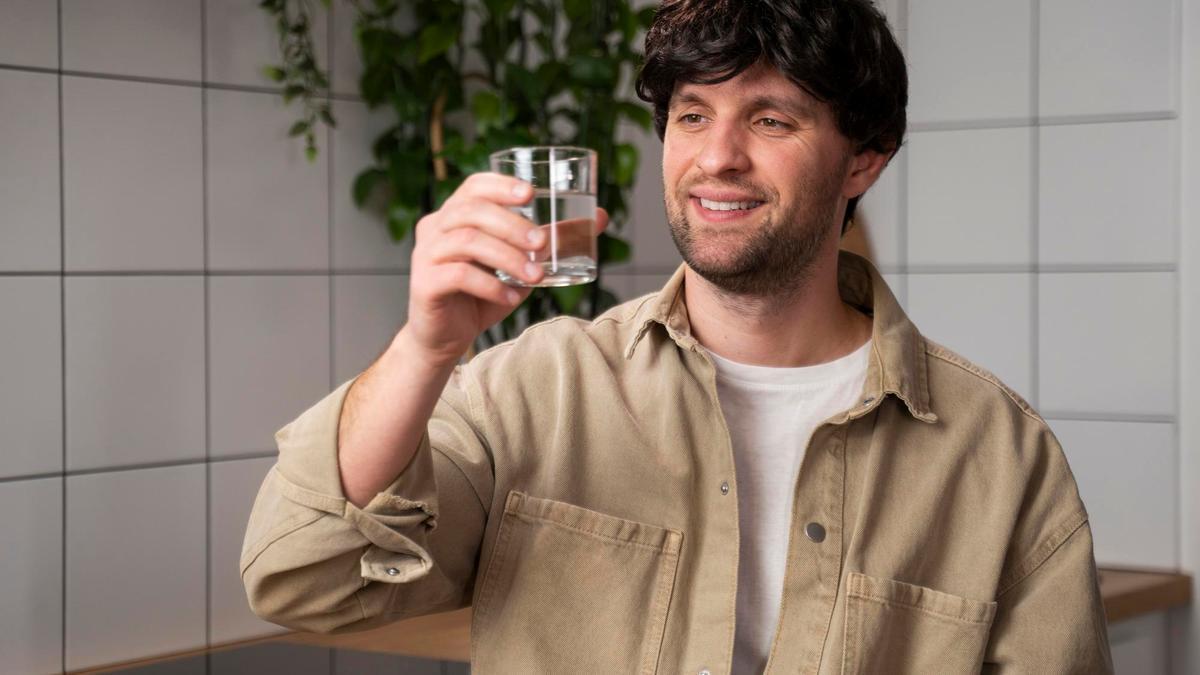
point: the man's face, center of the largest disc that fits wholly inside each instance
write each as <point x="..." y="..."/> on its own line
<point x="756" y="177"/>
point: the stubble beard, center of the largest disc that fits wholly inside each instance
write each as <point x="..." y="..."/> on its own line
<point x="777" y="259"/>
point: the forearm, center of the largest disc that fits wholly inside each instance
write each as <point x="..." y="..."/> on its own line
<point x="384" y="416"/>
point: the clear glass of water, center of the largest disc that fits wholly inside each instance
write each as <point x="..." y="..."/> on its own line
<point x="563" y="205"/>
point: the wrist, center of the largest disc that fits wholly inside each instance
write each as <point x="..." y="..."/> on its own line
<point x="408" y="350"/>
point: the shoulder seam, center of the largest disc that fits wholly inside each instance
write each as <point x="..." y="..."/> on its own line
<point x="1042" y="553"/>
<point x="937" y="352"/>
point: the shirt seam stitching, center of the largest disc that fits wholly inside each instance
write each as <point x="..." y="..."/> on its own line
<point x="1044" y="552"/>
<point x="1023" y="407"/>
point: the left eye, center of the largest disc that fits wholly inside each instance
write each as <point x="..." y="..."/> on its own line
<point x="772" y="123"/>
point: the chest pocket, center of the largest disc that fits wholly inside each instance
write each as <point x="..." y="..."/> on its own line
<point x="894" y="627"/>
<point x="569" y="590"/>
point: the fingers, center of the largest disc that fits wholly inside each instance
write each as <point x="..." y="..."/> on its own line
<point x="463" y="277"/>
<point x="601" y="220"/>
<point x="494" y="187"/>
<point x="468" y="244"/>
<point x="489" y="217"/>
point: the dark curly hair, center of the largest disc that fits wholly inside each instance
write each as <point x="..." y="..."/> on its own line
<point x="841" y="52"/>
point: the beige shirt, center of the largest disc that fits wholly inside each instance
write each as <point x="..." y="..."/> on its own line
<point x="577" y="487"/>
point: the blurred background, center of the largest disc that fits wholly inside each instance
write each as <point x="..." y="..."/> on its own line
<point x="178" y="281"/>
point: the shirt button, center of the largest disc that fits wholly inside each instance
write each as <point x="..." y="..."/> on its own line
<point x="392" y="571"/>
<point x="815" y="532"/>
<point x="868" y="399"/>
<point x="724" y="487"/>
<point x="704" y="671"/>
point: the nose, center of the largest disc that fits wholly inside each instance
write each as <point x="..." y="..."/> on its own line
<point x="723" y="152"/>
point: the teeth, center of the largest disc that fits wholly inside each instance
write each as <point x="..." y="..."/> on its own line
<point x="727" y="206"/>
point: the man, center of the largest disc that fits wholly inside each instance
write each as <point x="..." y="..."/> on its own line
<point x="764" y="467"/>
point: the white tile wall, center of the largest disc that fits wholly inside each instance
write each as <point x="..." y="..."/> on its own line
<point x="31" y="586"/>
<point x="879" y="213"/>
<point x="149" y="215"/>
<point x="646" y="230"/>
<point x="346" y="66"/>
<point x="962" y="210"/>
<point x="1096" y="209"/>
<point x="267" y="205"/>
<point x="135" y="564"/>
<point x="236" y="483"/>
<point x="29" y="33"/>
<point x="984" y="317"/>
<point x="242" y="39"/>
<point x="269" y="357"/>
<point x="1107" y="343"/>
<point x="31" y="360"/>
<point x="969" y="60"/>
<point x="1107" y="56"/>
<point x="360" y="237"/>
<point x="368" y="310"/>
<point x="29" y="187"/>
<point x="146" y="38"/>
<point x="147" y="334"/>
<point x="1125" y="472"/>
<point x="1139" y="646"/>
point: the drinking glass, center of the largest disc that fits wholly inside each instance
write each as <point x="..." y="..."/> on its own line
<point x="563" y="205"/>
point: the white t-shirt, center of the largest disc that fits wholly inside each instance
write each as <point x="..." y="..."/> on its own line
<point x="771" y="414"/>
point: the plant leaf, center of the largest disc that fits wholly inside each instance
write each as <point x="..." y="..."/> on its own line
<point x="612" y="249"/>
<point x="626" y="164"/>
<point x="365" y="183"/>
<point x="485" y="106"/>
<point x="401" y="219"/>
<point x="274" y="73"/>
<point x="635" y="113"/>
<point x="568" y="297"/>
<point x="435" y="39"/>
<point x="300" y="127"/>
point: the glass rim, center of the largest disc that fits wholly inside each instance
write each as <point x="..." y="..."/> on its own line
<point x="579" y="152"/>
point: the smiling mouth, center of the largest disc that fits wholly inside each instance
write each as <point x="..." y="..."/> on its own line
<point x="728" y="206"/>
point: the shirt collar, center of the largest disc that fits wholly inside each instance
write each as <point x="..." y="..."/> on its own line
<point x="898" y="362"/>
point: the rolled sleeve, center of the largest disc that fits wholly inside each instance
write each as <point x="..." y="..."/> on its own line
<point x="312" y="560"/>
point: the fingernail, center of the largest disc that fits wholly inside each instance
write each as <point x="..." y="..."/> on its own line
<point x="531" y="270"/>
<point x="520" y="189"/>
<point x="535" y="236"/>
<point x="512" y="296"/>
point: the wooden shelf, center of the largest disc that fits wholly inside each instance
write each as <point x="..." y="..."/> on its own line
<point x="1130" y="593"/>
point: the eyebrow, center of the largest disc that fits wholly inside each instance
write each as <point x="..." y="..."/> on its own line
<point x="757" y="103"/>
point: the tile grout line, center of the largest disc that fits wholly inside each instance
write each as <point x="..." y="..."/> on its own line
<point x="203" y="84"/>
<point x="62" y="325"/>
<point x="1035" y="191"/>
<point x="208" y="492"/>
<point x="139" y="466"/>
<point x="1177" y="196"/>
<point x="329" y="199"/>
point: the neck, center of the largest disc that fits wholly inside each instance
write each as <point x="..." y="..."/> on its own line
<point x="806" y="326"/>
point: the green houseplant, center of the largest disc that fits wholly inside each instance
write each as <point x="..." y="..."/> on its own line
<point x="466" y="78"/>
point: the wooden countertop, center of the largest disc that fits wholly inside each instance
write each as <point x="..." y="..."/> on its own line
<point x="1127" y="593"/>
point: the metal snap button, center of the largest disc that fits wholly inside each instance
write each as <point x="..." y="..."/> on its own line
<point x="724" y="487"/>
<point x="815" y="532"/>
<point x="704" y="671"/>
<point x="392" y="571"/>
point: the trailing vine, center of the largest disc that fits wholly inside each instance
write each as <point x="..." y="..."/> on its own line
<point x="463" y="78"/>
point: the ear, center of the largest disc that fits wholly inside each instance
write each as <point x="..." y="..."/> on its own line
<point x="864" y="170"/>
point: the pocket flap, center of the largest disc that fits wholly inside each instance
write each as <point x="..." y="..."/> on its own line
<point x="898" y="593"/>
